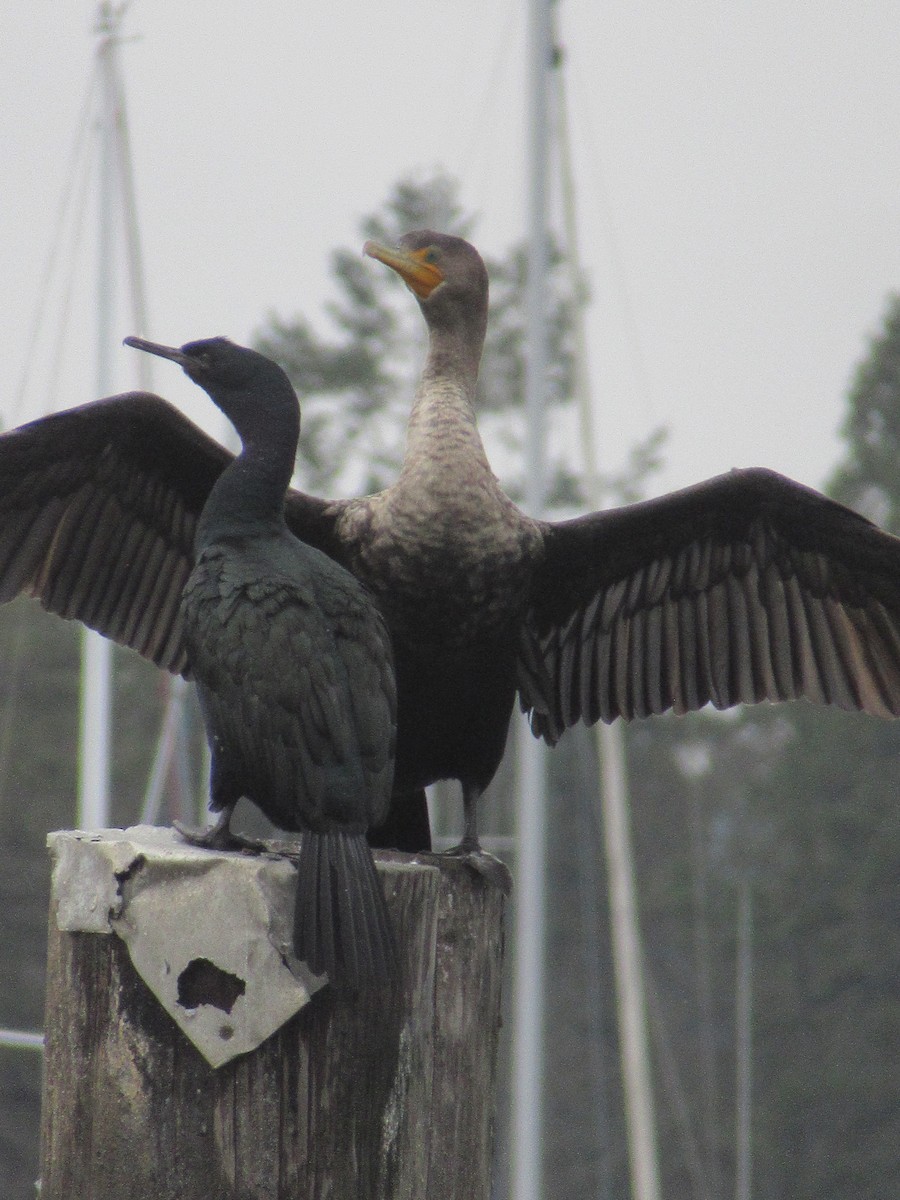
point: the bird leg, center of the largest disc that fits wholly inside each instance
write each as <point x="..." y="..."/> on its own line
<point x="469" y="850"/>
<point x="470" y="843"/>
<point x="220" y="835"/>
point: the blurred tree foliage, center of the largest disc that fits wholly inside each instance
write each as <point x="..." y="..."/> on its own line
<point x="867" y="477"/>
<point x="800" y="804"/>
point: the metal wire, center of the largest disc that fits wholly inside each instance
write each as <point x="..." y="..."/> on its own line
<point x="22" y="1039"/>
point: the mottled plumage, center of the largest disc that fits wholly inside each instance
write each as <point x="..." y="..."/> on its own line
<point x="294" y="673"/>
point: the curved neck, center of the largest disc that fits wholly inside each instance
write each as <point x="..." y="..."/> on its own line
<point x="248" y="497"/>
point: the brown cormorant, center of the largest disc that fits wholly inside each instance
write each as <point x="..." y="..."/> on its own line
<point x="294" y="673"/>
<point x="744" y="588"/>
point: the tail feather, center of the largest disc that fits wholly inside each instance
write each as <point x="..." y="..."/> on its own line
<point x="350" y="913"/>
<point x="341" y="924"/>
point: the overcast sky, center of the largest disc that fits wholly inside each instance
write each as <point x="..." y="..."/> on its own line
<point x="738" y="178"/>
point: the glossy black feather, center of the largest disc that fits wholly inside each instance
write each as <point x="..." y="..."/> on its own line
<point x="294" y="673"/>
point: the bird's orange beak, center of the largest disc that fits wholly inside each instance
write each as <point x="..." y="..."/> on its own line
<point x="413" y="266"/>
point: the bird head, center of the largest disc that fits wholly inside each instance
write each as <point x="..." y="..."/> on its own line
<point x="248" y="387"/>
<point x="212" y="360"/>
<point x="445" y="273"/>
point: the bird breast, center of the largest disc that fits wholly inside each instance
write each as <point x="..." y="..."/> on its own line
<point x="447" y="554"/>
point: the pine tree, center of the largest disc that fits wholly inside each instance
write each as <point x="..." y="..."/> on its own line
<point x="867" y="478"/>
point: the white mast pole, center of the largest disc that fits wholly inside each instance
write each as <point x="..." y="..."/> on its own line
<point x="528" y="999"/>
<point x="116" y="194"/>
<point x="96" y="661"/>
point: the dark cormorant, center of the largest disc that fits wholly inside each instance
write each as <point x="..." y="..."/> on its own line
<point x="294" y="673"/>
<point x="744" y="588"/>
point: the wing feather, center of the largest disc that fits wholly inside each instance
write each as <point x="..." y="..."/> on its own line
<point x="98" y="508"/>
<point x="746" y="588"/>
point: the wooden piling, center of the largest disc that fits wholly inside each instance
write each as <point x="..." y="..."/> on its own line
<point x="386" y="1097"/>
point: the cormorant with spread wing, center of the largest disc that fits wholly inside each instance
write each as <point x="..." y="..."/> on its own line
<point x="744" y="588"/>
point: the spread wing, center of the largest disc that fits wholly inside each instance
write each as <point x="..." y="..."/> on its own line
<point x="98" y="507"/>
<point x="745" y="588"/>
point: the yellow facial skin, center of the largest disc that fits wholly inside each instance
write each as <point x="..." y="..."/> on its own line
<point x="415" y="267"/>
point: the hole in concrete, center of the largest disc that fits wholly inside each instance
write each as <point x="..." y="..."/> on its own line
<point x="137" y="863"/>
<point x="202" y="982"/>
<point x="226" y="1033"/>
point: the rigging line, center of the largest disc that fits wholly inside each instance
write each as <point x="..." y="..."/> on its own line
<point x="743" y="1018"/>
<point x="627" y="953"/>
<point x="580" y="297"/>
<point x="170" y="759"/>
<point x="618" y="273"/>
<point x="133" y="250"/>
<point x="77" y="235"/>
<point x="82" y="133"/>
<point x="673" y="1085"/>
<point x="703" y="969"/>
<point x="590" y="854"/>
<point x="491" y="90"/>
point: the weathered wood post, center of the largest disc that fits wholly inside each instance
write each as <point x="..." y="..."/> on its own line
<point x="388" y="1097"/>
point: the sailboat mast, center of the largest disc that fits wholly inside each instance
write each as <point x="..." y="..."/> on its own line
<point x="528" y="997"/>
<point x="96" y="659"/>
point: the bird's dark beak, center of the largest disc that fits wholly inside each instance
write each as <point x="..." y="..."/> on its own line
<point x="419" y="275"/>
<point x="172" y="352"/>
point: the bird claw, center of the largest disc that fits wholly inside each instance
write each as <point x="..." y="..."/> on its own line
<point x="219" y="837"/>
<point x="471" y="855"/>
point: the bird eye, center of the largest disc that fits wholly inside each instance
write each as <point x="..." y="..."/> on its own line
<point x="430" y="256"/>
